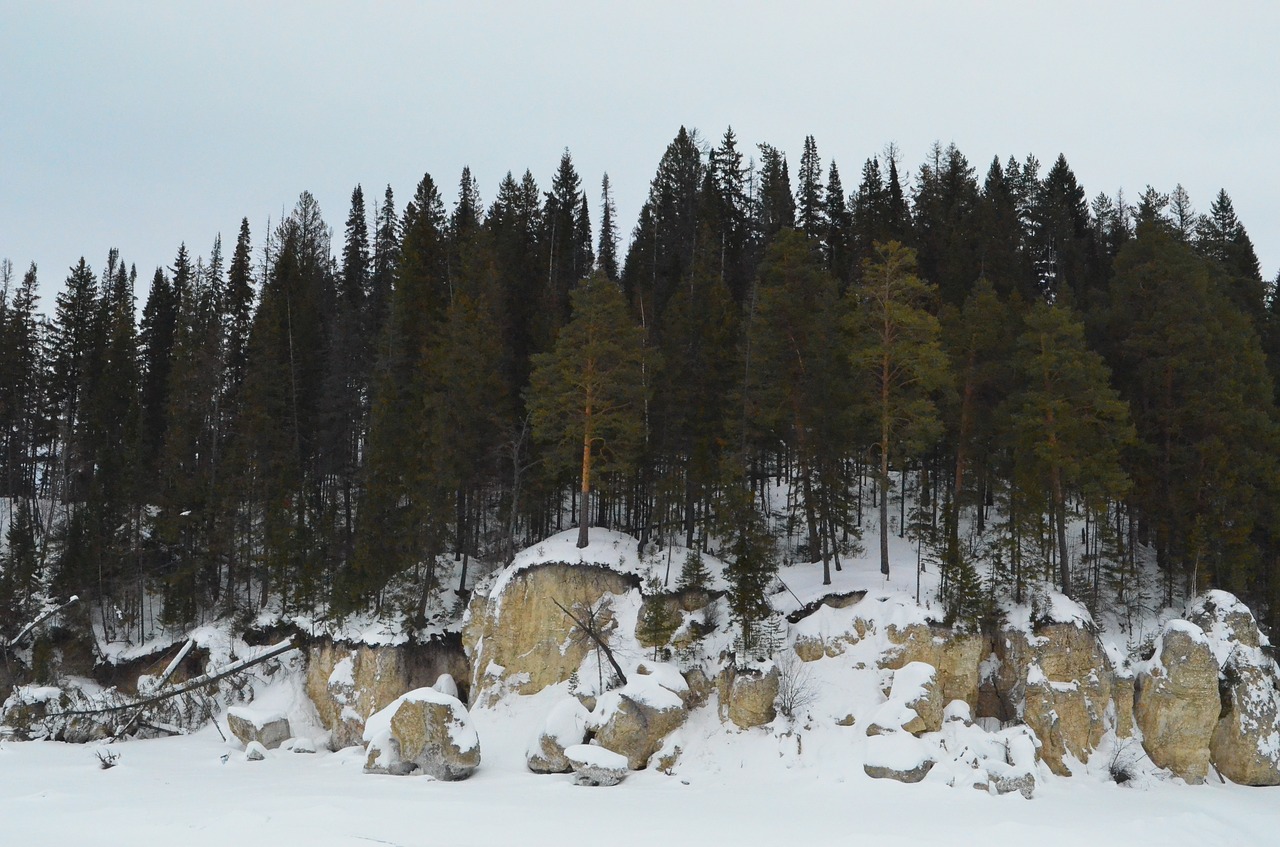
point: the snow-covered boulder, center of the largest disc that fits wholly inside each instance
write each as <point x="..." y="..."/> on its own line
<point x="898" y="755"/>
<point x="270" y="729"/>
<point x="1245" y="746"/>
<point x="254" y="752"/>
<point x="636" y="719"/>
<point x="517" y="637"/>
<point x="423" y="730"/>
<point x="596" y="765"/>
<point x="566" y="725"/>
<point x="1176" y="703"/>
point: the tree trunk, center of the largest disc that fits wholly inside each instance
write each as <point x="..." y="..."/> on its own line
<point x="1060" y="518"/>
<point x="585" y="511"/>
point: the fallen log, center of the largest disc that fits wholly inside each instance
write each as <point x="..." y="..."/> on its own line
<point x="190" y="685"/>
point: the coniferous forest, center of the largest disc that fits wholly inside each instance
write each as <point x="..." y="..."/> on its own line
<point x="316" y="417"/>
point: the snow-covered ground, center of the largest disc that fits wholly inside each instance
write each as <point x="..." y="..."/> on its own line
<point x="180" y="791"/>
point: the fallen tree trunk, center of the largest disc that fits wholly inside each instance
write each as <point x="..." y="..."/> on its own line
<point x="41" y="618"/>
<point x="190" y="685"/>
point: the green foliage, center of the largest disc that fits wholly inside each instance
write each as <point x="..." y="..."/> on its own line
<point x="589" y="392"/>
<point x="694" y="574"/>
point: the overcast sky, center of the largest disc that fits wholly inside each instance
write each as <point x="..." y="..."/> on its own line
<point x="144" y="125"/>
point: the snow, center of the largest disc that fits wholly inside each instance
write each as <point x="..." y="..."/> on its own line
<point x="566" y="723"/>
<point x="257" y="718"/>
<point x="596" y="757"/>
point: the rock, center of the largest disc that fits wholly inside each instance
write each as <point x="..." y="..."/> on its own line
<point x="426" y="730"/>
<point x="810" y="649"/>
<point x="636" y="720"/>
<point x="270" y="729"/>
<point x="899" y="756"/>
<point x="1176" y="703"/>
<point x="847" y="720"/>
<point x="1058" y="681"/>
<point x="565" y="726"/>
<point x="596" y="765"/>
<point x="700" y="688"/>
<point x="519" y="640"/>
<point x="748" y="697"/>
<point x="915" y="685"/>
<point x="1122" y="696"/>
<point x="1023" y="782"/>
<point x="1245" y="746"/>
<point x="957" y="656"/>
<point x="254" y="752"/>
<point x="349" y="683"/>
<point x="299" y="745"/>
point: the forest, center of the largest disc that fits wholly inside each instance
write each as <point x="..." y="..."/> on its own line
<point x="1060" y="389"/>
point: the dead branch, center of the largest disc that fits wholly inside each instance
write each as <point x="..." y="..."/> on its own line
<point x="595" y="636"/>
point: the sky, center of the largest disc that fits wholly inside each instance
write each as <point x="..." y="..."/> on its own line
<point x="145" y="125"/>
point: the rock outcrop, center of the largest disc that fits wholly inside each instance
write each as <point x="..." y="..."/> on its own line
<point x="270" y="729"/>
<point x="1245" y="746"/>
<point x="1176" y="704"/>
<point x="423" y="730"/>
<point x="519" y="640"/>
<point x="1058" y="680"/>
<point x="348" y="683"/>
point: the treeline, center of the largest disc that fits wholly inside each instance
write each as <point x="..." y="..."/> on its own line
<point x="1065" y="385"/>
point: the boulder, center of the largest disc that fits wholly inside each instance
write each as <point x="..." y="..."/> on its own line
<point x="915" y="685"/>
<point x="270" y="729"/>
<point x="899" y="756"/>
<point x="565" y="726"/>
<point x="596" y="765"/>
<point x="748" y="697"/>
<point x="1176" y="703"/>
<point x="254" y="752"/>
<point x="519" y="640"/>
<point x="637" y="719"/>
<point x="423" y="730"/>
<point x="1245" y="746"/>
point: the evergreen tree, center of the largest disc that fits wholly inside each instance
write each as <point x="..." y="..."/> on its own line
<point x="589" y="391"/>
<point x="810" y="203"/>
<point x="1068" y="423"/>
<point x="897" y="350"/>
<point x="607" y="250"/>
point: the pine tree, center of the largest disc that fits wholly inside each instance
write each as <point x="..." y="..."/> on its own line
<point x="896" y="348"/>
<point x="589" y="391"/>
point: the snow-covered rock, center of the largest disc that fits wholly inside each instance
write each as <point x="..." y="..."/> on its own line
<point x="423" y="730"/>
<point x="898" y="755"/>
<point x="566" y="725"/>
<point x="1245" y="746"/>
<point x="636" y="719"/>
<point x="1176" y="703"/>
<point x="596" y="765"/>
<point x="254" y="752"/>
<point x="249" y="725"/>
<point x="517" y="637"/>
